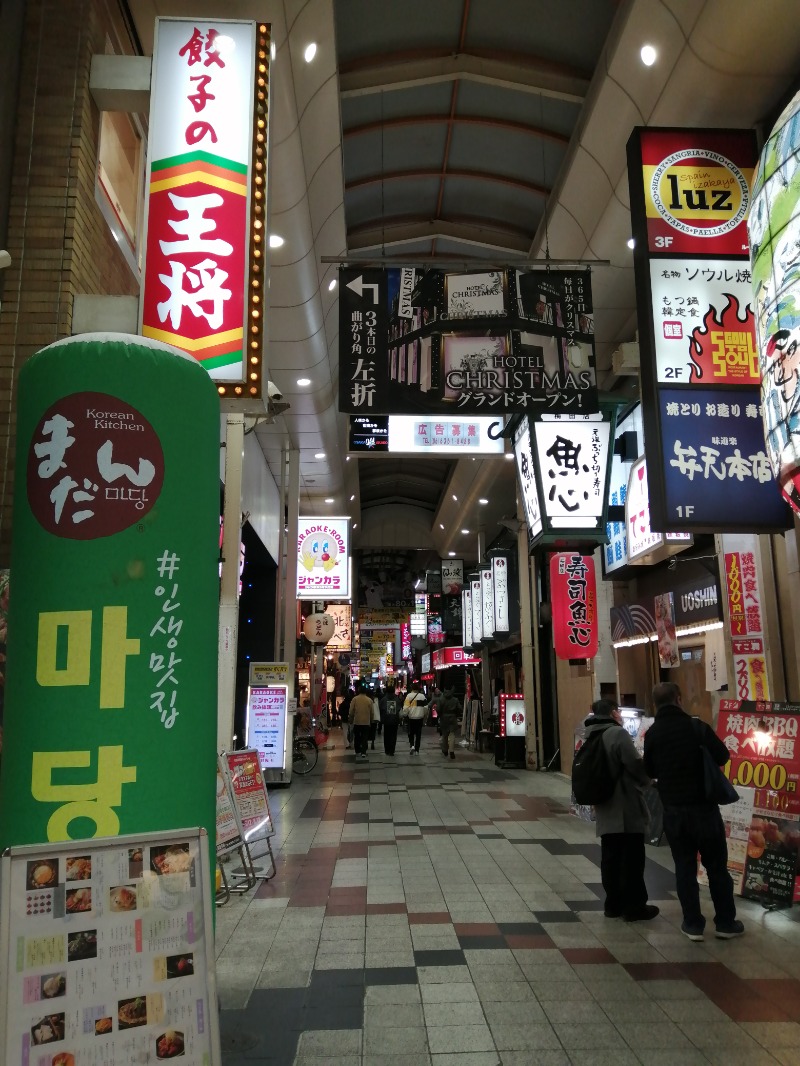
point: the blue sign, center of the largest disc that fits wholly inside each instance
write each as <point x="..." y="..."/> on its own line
<point x="716" y="471"/>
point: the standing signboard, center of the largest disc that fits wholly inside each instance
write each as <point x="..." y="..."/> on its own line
<point x="229" y="830"/>
<point x="690" y="199"/>
<point x="249" y="793"/>
<point x="107" y="952"/>
<point x="266" y="725"/>
<point x="205" y="210"/>
<point x="112" y="654"/>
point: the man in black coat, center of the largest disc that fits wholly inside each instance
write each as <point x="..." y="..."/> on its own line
<point x="691" y="822"/>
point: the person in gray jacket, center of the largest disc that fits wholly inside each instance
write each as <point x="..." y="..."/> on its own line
<point x="621" y="822"/>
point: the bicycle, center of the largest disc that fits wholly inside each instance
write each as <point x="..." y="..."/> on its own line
<point x="304" y="755"/>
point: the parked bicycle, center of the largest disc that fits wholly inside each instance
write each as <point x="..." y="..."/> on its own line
<point x="304" y="754"/>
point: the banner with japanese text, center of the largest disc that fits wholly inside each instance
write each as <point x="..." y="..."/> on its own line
<point x="485" y="342"/>
<point x="690" y="193"/>
<point x="203" y="273"/>
<point x="111" y="695"/>
<point x="573" y="596"/>
<point x="745" y="617"/>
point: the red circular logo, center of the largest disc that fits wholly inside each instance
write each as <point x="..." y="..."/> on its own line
<point x="95" y="467"/>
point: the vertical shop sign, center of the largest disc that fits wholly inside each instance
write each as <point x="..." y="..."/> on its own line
<point x="573" y="595"/>
<point x="112" y="656"/>
<point x="690" y="199"/>
<point x="665" y="630"/>
<point x="452" y="576"/>
<point x="748" y="642"/>
<point x="323" y="558"/>
<point x="203" y="276"/>
<point x="363" y="340"/>
<point x="500" y="581"/>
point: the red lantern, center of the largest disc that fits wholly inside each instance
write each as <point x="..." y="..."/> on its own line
<point x="573" y="595"/>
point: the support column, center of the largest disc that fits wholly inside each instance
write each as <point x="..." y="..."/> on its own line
<point x="229" y="582"/>
<point x="289" y="605"/>
<point x="486" y="683"/>
<point x="527" y="632"/>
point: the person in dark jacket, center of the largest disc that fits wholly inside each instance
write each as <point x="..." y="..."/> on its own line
<point x="692" y="823"/>
<point x="622" y="821"/>
<point x="390" y="713"/>
<point x="448" y="708"/>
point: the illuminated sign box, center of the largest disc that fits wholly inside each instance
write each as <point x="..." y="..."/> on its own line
<point x="323" y="558"/>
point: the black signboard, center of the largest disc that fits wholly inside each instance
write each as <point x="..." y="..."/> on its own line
<point x="495" y="342"/>
<point x="369" y="433"/>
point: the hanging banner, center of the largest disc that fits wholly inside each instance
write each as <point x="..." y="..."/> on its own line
<point x="323" y="558"/>
<point x="499" y="341"/>
<point x="112" y="654"/>
<point x="342" y="639"/>
<point x="205" y="212"/>
<point x="774" y="235"/>
<point x="748" y="640"/>
<point x="573" y="596"/>
<point x="665" y="630"/>
<point x="690" y="199"/>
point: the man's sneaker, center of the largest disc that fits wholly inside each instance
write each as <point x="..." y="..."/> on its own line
<point x="694" y="932"/>
<point x="611" y="913"/>
<point x="728" y="932"/>
<point x="645" y="914"/>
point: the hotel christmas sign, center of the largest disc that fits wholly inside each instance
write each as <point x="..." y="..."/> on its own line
<point x="206" y="197"/>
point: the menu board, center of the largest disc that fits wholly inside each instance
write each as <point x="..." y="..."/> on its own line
<point x="249" y="793"/>
<point x="229" y="834"/>
<point x="106" y="952"/>
<point x="266" y="724"/>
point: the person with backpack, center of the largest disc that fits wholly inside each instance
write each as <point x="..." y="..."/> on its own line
<point x="413" y="709"/>
<point x="390" y="712"/>
<point x="609" y="774"/>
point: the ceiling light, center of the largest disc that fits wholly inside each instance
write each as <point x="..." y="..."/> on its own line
<point x="310" y="52"/>
<point x="649" y="55"/>
<point x="272" y="50"/>
<point x="355" y="525"/>
<point x="331" y="284"/>
<point x="303" y="382"/>
<point x="441" y="526"/>
<point x="329" y="499"/>
<point x="455" y="497"/>
<point x="482" y="500"/>
<point x="319" y="455"/>
<point x="352" y="497"/>
<point x="275" y="241"/>
<point x="631" y="243"/>
<point x="465" y="531"/>
<point x="509" y="455"/>
<point x="452" y="555"/>
<point x="347" y="458"/>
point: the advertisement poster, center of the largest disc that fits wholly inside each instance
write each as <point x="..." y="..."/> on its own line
<point x="108" y="953"/>
<point x="745" y="618"/>
<point x="266" y="724"/>
<point x="323" y="558"/>
<point x="229" y="836"/>
<point x="271" y="673"/>
<point x="771" y="865"/>
<point x="665" y="630"/>
<point x="737" y="818"/>
<point x="249" y="793"/>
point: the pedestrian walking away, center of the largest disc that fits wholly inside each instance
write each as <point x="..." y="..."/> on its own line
<point x="361" y="719"/>
<point x="448" y="709"/>
<point x="390" y="709"/>
<point x="414" y="707"/>
<point x="622" y="820"/>
<point x="692" y="823"/>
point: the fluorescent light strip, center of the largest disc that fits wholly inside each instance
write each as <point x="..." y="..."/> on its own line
<point x="680" y="631"/>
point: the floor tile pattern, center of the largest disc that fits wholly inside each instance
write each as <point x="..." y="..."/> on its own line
<point x="431" y="913"/>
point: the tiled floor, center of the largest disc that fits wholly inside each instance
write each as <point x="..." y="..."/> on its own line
<point x="450" y="914"/>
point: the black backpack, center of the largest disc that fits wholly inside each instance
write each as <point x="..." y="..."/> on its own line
<point x="592" y="779"/>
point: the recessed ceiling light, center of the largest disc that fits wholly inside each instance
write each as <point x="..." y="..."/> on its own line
<point x="352" y="497"/>
<point x="329" y="499"/>
<point x="455" y="497"/>
<point x="319" y="455"/>
<point x="276" y="241"/>
<point x="465" y="531"/>
<point x="303" y="382"/>
<point x="631" y="243"/>
<point x="331" y="284"/>
<point x="347" y="458"/>
<point x="649" y="55"/>
<point x="272" y="50"/>
<point x="452" y="555"/>
<point x="310" y="52"/>
<point x="509" y="455"/>
<point x="483" y="500"/>
<point x="355" y="525"/>
<point x="441" y="526"/>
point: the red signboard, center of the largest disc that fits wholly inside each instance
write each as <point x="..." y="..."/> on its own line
<point x="444" y="657"/>
<point x="762" y="738"/>
<point x="573" y="595"/>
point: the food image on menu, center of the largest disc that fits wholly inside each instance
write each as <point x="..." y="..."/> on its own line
<point x="169" y="1045"/>
<point x="135" y="862"/>
<point x="78" y="868"/>
<point x="122" y="898"/>
<point x="103" y="1026"/>
<point x="49" y="1029"/>
<point x="78" y="899"/>
<point x="82" y="945"/>
<point x="63" y="1058"/>
<point x="132" y="1012"/>
<point x="180" y="965"/>
<point x="42" y="873"/>
<point x="174" y="859"/>
<point x="53" y="985"/>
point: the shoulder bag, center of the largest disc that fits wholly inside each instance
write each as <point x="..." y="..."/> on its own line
<point x="716" y="786"/>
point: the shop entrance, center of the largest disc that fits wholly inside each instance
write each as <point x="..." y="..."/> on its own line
<point x="692" y="679"/>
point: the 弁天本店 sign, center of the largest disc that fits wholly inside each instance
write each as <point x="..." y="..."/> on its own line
<point x="113" y="638"/>
<point x="203" y="274"/>
<point x="492" y="342"/>
<point x="573" y="596"/>
<point x="323" y="558"/>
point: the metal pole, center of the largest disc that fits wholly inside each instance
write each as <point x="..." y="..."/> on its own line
<point x="229" y="581"/>
<point x="280" y="584"/>
<point x="527" y="636"/>
<point x="486" y="681"/>
<point x="290" y="581"/>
